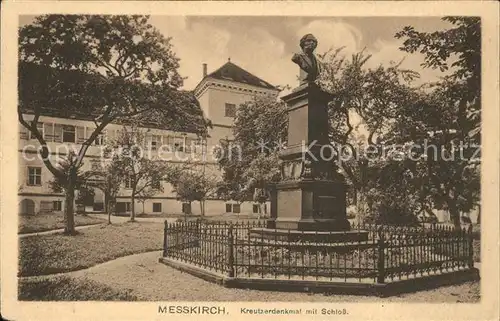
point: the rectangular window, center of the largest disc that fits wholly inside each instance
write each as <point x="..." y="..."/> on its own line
<point x="99" y="140"/>
<point x="229" y="208"/>
<point x="34" y="176"/>
<point x="57" y="206"/>
<point x="156" y="207"/>
<point x="186" y="208"/>
<point x="198" y="146"/>
<point x="179" y="144"/>
<point x="256" y="208"/>
<point x="236" y="208"/>
<point x="190" y="142"/>
<point x="128" y="207"/>
<point x="230" y="110"/>
<point x="155" y="142"/>
<point x="120" y="207"/>
<point x="128" y="182"/>
<point x="46" y="206"/>
<point x="167" y="141"/>
<point x="68" y="134"/>
<point x="39" y="127"/>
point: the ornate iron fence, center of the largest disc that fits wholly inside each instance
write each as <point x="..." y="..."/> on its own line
<point x="390" y="252"/>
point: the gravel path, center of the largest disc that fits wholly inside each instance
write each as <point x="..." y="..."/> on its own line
<point x="153" y="281"/>
<point x="122" y="219"/>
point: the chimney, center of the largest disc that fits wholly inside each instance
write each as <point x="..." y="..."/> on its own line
<point x="204" y="70"/>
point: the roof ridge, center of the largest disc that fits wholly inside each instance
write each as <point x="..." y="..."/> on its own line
<point x="240" y="75"/>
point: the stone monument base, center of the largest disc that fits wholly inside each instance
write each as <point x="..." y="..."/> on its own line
<point x="308" y="236"/>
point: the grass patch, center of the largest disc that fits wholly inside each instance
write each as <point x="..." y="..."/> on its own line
<point x="69" y="289"/>
<point x="51" y="221"/>
<point x="48" y="254"/>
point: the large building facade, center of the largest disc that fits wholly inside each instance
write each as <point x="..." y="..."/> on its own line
<point x="219" y="94"/>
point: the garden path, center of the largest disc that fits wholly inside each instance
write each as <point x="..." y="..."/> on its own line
<point x="150" y="280"/>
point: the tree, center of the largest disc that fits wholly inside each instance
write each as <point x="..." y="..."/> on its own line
<point x="190" y="185"/>
<point x="450" y="116"/>
<point x="111" y="69"/>
<point x="261" y="172"/>
<point x="108" y="178"/>
<point x="141" y="174"/>
<point x="371" y="97"/>
<point x="71" y="169"/>
<point x="250" y="162"/>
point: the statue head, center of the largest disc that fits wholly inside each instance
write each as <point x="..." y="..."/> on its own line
<point x="308" y="43"/>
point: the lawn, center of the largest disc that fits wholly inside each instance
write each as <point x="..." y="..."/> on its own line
<point x="65" y="288"/>
<point x="48" y="254"/>
<point x="51" y="221"/>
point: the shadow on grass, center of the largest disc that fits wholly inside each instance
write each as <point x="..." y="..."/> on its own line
<point x="69" y="289"/>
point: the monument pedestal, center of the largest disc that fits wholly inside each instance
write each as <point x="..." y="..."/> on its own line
<point x="308" y="205"/>
<point x="310" y="201"/>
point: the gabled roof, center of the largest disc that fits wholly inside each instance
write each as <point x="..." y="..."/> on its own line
<point x="232" y="72"/>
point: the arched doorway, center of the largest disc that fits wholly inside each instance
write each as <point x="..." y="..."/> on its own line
<point x="27" y="207"/>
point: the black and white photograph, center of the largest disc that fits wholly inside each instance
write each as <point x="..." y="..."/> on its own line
<point x="319" y="161"/>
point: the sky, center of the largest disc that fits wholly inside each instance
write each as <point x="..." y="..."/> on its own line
<point x="265" y="45"/>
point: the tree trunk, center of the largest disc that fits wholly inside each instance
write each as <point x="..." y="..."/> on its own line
<point x="69" y="214"/>
<point x="202" y="208"/>
<point x="106" y="202"/>
<point x="454" y="214"/>
<point x="132" y="212"/>
<point x="360" y="206"/>
<point x="109" y="209"/>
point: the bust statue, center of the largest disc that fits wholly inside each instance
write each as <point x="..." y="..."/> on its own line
<point x="307" y="61"/>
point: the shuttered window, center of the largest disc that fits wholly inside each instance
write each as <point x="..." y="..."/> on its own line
<point x="58" y="129"/>
<point x="48" y="129"/>
<point x="68" y="134"/>
<point x="80" y="134"/>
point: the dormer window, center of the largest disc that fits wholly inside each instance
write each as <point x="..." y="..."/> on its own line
<point x="230" y="110"/>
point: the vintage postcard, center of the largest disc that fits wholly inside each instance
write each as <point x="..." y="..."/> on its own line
<point x="249" y="160"/>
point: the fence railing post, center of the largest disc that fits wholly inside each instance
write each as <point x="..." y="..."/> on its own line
<point x="197" y="233"/>
<point x="470" y="240"/>
<point x="165" y="231"/>
<point x="230" y="254"/>
<point x="381" y="256"/>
